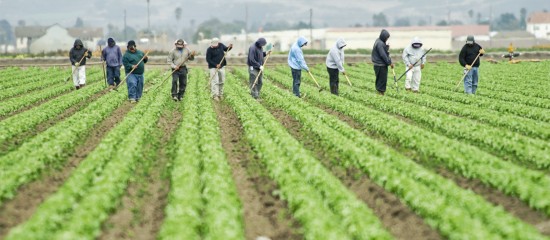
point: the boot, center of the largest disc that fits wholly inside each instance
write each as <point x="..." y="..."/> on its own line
<point x="77" y="87"/>
<point x="82" y="85"/>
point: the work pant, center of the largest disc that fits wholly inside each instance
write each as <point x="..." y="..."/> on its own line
<point x="135" y="86"/>
<point x="113" y="75"/>
<point x="412" y="80"/>
<point x="218" y="78"/>
<point x="333" y="75"/>
<point x="179" y="82"/>
<point x="255" y="91"/>
<point x="296" y="80"/>
<point x="381" y="73"/>
<point x="470" y="81"/>
<point x="79" y="75"/>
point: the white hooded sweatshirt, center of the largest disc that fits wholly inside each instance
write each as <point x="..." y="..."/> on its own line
<point x="335" y="57"/>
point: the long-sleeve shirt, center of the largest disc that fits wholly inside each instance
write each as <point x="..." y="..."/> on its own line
<point x="177" y="57"/>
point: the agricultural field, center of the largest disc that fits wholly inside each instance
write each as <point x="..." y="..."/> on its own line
<point x="437" y="164"/>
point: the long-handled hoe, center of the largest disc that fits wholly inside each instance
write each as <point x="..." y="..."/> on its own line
<point x="466" y="73"/>
<point x="170" y="75"/>
<point x="103" y="65"/>
<point x="134" y="68"/>
<point x="347" y="78"/>
<point x="216" y="72"/>
<point x="69" y="77"/>
<point x="316" y="83"/>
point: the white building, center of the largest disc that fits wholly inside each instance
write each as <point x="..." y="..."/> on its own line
<point x="38" y="39"/>
<point x="436" y="37"/>
<point x="538" y="23"/>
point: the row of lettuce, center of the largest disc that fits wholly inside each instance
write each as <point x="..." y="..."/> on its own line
<point x="431" y="196"/>
<point x="203" y="201"/>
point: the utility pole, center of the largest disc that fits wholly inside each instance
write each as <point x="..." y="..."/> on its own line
<point x="246" y="25"/>
<point x="148" y="17"/>
<point x="125" y="28"/>
<point x="311" y="26"/>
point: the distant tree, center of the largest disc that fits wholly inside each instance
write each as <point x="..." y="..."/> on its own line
<point x="506" y="21"/>
<point x="79" y="23"/>
<point x="178" y="12"/>
<point x="276" y="26"/>
<point x="402" y="22"/>
<point x="456" y="22"/>
<point x="118" y="34"/>
<point x="471" y="15"/>
<point x="7" y="37"/>
<point x="478" y="18"/>
<point x="21" y="23"/>
<point x="522" y="18"/>
<point x="422" y="22"/>
<point x="357" y="25"/>
<point x="301" y="25"/>
<point x="214" y="28"/>
<point x="379" y="20"/>
<point x="442" y="23"/>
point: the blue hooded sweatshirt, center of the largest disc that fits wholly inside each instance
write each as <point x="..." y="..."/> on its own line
<point x="112" y="54"/>
<point x="296" y="56"/>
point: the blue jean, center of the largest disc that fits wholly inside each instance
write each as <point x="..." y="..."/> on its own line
<point x="135" y="86"/>
<point x="296" y="80"/>
<point x="470" y="81"/>
<point x="253" y="73"/>
<point x="113" y="75"/>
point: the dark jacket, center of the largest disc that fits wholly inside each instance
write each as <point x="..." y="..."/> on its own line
<point x="380" y="52"/>
<point x="468" y="54"/>
<point x="215" y="55"/>
<point x="76" y="54"/>
<point x="130" y="59"/>
<point x="256" y="54"/>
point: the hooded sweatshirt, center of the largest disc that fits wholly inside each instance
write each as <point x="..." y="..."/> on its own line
<point x="296" y="56"/>
<point x="112" y="55"/>
<point x="335" y="57"/>
<point x="256" y="54"/>
<point x="76" y="54"/>
<point x="380" y="52"/>
<point x="411" y="55"/>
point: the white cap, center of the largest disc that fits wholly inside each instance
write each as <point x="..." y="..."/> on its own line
<point x="214" y="41"/>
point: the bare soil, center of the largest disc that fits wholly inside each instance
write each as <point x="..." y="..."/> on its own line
<point x="141" y="212"/>
<point x="265" y="214"/>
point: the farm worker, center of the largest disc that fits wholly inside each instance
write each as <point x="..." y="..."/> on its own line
<point x="255" y="63"/>
<point x="381" y="60"/>
<point x="215" y="56"/>
<point x="78" y="62"/>
<point x="135" y="79"/>
<point x="113" y="57"/>
<point x="177" y="58"/>
<point x="412" y="55"/>
<point x="297" y="63"/>
<point x="467" y="55"/>
<point x="335" y="64"/>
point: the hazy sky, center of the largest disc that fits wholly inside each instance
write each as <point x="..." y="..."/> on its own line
<point x="332" y="13"/>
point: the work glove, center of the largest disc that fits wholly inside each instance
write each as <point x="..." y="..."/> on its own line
<point x="410" y="66"/>
<point x="76" y="64"/>
<point x="482" y="51"/>
<point x="261" y="68"/>
<point x="391" y="65"/>
<point x="468" y="67"/>
<point x="422" y="66"/>
<point x="344" y="72"/>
